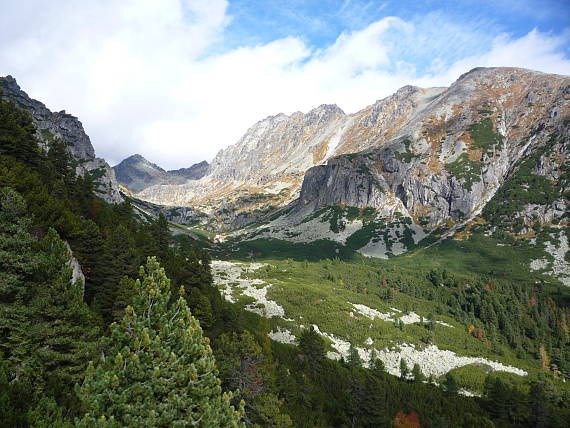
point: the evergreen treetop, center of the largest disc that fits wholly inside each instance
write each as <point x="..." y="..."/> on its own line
<point x="160" y="370"/>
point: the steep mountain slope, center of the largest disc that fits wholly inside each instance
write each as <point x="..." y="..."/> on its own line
<point x="450" y="159"/>
<point x="421" y="162"/>
<point x="69" y="129"/>
<point x="265" y="167"/>
<point x="491" y="153"/>
<point x="136" y="173"/>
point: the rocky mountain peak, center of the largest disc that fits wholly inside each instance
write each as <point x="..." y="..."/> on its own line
<point x="435" y="154"/>
<point x="69" y="129"/>
<point x="137" y="173"/>
<point x="138" y="159"/>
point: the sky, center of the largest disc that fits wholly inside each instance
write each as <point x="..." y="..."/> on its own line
<point x="178" y="80"/>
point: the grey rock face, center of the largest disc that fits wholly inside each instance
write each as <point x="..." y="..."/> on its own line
<point x="440" y="153"/>
<point x="77" y="272"/>
<point x="195" y="172"/>
<point x="69" y="129"/>
<point x="136" y="173"/>
<point x="278" y="145"/>
<point x="448" y="161"/>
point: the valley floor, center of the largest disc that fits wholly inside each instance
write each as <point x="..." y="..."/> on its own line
<point x="297" y="295"/>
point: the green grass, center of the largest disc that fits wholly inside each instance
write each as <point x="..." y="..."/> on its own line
<point x="472" y="377"/>
<point x="316" y="284"/>
<point x="479" y="254"/>
<point x="322" y="292"/>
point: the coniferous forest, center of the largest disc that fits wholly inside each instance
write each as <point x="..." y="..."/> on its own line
<point x="148" y="341"/>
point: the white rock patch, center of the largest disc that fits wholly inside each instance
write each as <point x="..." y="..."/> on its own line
<point x="559" y="268"/>
<point x="377" y="247"/>
<point x="312" y="230"/>
<point x="432" y="360"/>
<point x="410" y="318"/>
<point x="227" y="276"/>
<point x="283" y="335"/>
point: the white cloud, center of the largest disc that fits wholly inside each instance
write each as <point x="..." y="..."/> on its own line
<point x="142" y="77"/>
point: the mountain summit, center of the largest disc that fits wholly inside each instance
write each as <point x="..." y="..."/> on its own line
<point x="70" y="130"/>
<point x="136" y="173"/>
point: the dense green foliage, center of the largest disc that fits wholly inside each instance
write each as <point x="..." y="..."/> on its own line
<point x="152" y="366"/>
<point x="160" y="370"/>
<point x="50" y="326"/>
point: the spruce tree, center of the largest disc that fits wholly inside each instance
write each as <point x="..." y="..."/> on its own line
<point x="18" y="263"/>
<point x="417" y="373"/>
<point x="312" y="346"/>
<point x="119" y="259"/>
<point x="353" y="360"/>
<point x="63" y="328"/>
<point x="450" y="384"/>
<point x="245" y="369"/>
<point x="404" y="371"/>
<point x="160" y="371"/>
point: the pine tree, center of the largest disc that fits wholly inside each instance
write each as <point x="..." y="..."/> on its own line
<point x="124" y="293"/>
<point x="417" y="373"/>
<point x="450" y="384"/>
<point x="404" y="371"/>
<point x="246" y="369"/>
<point x="201" y="308"/>
<point x="353" y="360"/>
<point x="160" y="370"/>
<point x="18" y="263"/>
<point x="312" y="346"/>
<point x="119" y="259"/>
<point x="17" y="133"/>
<point x="162" y="236"/>
<point x="539" y="402"/>
<point x="376" y="364"/>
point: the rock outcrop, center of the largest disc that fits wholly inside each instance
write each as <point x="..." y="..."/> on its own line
<point x="136" y="173"/>
<point x="448" y="161"/>
<point x="69" y="129"/>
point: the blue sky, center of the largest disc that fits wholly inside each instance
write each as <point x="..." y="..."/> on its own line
<point x="320" y="22"/>
<point x="178" y="80"/>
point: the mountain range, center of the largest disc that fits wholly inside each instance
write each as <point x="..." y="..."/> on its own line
<point x="429" y="231"/>
<point x="420" y="164"/>
<point x="408" y="170"/>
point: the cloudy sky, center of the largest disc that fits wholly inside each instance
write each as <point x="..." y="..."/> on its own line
<point x="177" y="80"/>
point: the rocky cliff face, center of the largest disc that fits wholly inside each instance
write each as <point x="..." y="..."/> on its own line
<point x="136" y="173"/>
<point x="448" y="161"/>
<point x="68" y="128"/>
<point x="265" y="168"/>
<point x="437" y="155"/>
<point x="195" y="172"/>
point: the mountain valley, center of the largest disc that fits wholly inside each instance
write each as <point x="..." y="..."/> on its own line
<point x="428" y="230"/>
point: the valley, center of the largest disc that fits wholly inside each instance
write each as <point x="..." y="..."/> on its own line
<point x="470" y="180"/>
<point x="417" y="248"/>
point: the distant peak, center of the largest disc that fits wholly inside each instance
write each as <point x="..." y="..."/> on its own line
<point x="327" y="108"/>
<point x="138" y="158"/>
